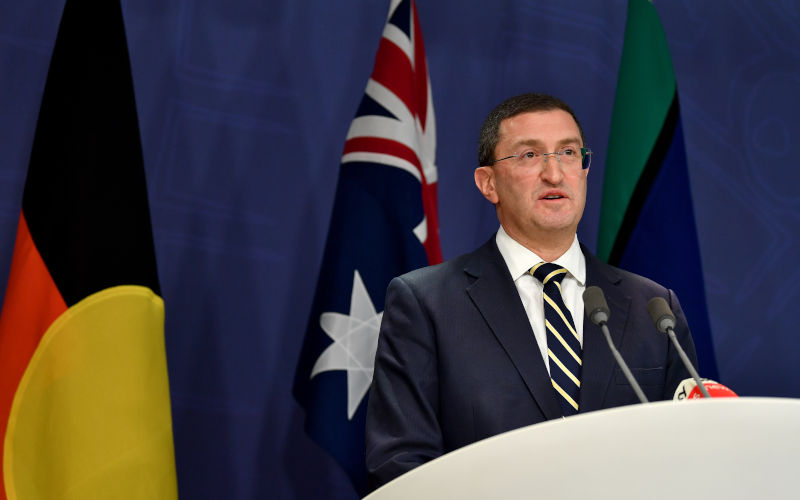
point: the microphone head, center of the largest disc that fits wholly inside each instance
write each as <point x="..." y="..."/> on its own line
<point x="661" y="314"/>
<point x="688" y="389"/>
<point x="594" y="303"/>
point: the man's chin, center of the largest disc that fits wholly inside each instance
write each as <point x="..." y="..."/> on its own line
<point x="556" y="225"/>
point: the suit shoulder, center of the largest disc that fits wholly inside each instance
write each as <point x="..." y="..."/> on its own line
<point x="632" y="282"/>
<point x="639" y="282"/>
<point x="436" y="273"/>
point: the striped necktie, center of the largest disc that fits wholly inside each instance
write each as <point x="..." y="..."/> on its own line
<point x="563" y="346"/>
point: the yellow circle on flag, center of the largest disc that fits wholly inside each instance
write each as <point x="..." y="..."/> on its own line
<point x="91" y="416"/>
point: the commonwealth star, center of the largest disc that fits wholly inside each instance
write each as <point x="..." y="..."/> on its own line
<point x="355" y="340"/>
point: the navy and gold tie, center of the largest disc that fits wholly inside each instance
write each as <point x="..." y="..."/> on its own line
<point x="563" y="345"/>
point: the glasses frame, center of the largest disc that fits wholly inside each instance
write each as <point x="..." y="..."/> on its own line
<point x="585" y="153"/>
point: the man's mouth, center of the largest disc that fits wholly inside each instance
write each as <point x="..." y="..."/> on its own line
<point x="553" y="196"/>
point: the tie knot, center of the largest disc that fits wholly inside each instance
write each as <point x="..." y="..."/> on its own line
<point x="547" y="272"/>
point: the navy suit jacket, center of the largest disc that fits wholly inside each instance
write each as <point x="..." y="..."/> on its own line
<point x="457" y="360"/>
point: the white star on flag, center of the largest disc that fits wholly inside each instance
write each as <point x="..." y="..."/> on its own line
<point x="355" y="340"/>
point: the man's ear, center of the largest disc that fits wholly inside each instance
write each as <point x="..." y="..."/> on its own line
<point x="484" y="179"/>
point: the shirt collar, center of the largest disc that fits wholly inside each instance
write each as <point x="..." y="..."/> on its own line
<point x="519" y="259"/>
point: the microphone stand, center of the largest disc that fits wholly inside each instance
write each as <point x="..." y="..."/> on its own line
<point x="688" y="364"/>
<point x="625" y="370"/>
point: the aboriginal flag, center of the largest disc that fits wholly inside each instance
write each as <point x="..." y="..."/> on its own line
<point x="84" y="395"/>
<point x="647" y="223"/>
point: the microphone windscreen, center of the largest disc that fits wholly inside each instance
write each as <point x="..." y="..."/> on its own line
<point x="688" y="389"/>
<point x="661" y="314"/>
<point x="594" y="303"/>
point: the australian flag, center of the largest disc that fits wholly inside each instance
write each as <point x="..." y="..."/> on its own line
<point x="384" y="224"/>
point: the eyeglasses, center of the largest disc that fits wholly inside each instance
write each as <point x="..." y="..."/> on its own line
<point x="569" y="156"/>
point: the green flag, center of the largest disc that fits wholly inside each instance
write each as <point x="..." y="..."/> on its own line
<point x="647" y="221"/>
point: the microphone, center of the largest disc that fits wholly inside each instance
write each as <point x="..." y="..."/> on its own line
<point x="664" y="321"/>
<point x="598" y="313"/>
<point x="688" y="389"/>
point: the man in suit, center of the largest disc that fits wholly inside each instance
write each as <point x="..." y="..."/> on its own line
<point x="466" y="348"/>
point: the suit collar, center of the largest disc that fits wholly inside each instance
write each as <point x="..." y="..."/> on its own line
<point x="494" y="294"/>
<point x="519" y="259"/>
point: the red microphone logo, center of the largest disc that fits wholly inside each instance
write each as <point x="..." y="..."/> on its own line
<point x="688" y="389"/>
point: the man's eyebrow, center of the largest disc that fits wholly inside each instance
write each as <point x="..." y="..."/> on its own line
<point x="570" y="140"/>
<point x="528" y="142"/>
<point x="539" y="143"/>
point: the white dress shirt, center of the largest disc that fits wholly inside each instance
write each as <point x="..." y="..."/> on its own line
<point x="519" y="260"/>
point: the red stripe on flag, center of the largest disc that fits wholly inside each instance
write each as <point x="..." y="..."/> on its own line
<point x="393" y="70"/>
<point x="420" y="71"/>
<point x="384" y="146"/>
<point x="31" y="304"/>
<point x="433" y="248"/>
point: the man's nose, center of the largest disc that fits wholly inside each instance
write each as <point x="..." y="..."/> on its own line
<point x="551" y="169"/>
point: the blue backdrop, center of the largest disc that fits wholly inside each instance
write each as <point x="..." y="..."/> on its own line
<point x="244" y="106"/>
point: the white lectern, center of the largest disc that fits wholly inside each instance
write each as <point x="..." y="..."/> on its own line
<point x="732" y="448"/>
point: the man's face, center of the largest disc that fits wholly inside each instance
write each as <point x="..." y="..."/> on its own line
<point x="541" y="201"/>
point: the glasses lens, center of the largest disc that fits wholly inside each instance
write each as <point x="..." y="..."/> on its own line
<point x="586" y="156"/>
<point x="529" y="159"/>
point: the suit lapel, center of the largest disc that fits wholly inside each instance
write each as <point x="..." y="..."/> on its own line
<point x="598" y="362"/>
<point x="496" y="297"/>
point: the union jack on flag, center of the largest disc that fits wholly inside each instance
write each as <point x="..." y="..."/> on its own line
<point x="384" y="223"/>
